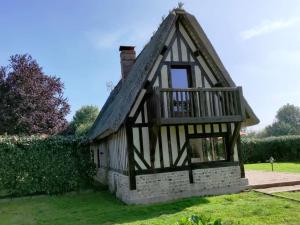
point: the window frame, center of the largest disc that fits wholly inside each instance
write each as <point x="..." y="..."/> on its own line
<point x="189" y="74"/>
<point x="224" y="135"/>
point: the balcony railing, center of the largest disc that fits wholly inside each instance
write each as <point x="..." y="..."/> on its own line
<point x="196" y="105"/>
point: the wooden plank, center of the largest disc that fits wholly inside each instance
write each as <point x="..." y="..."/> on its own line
<point x="131" y="163"/>
<point x="207" y="119"/>
<point x="227" y="141"/>
<point x="169" y="146"/>
<point x="223" y="89"/>
<point x="201" y="165"/>
<point x="164" y="138"/>
<point x="189" y="155"/>
<point x="241" y="160"/>
<point x="241" y="103"/>
<point x="161" y="159"/>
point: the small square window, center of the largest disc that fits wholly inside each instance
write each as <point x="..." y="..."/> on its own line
<point x="180" y="77"/>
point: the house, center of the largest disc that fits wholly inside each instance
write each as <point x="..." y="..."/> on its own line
<point x="171" y="127"/>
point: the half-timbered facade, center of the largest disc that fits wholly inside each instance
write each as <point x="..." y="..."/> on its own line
<point x="170" y="128"/>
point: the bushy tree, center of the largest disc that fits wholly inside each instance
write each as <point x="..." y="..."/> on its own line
<point x="30" y="101"/>
<point x="83" y="120"/>
<point x="287" y="122"/>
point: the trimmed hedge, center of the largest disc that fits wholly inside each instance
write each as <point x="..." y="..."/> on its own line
<point x="37" y="165"/>
<point x="283" y="148"/>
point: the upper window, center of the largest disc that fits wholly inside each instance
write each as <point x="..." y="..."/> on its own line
<point x="180" y="77"/>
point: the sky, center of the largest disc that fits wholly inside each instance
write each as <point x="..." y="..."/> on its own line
<point x="76" y="40"/>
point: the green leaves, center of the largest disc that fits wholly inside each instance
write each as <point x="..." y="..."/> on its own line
<point x="283" y="148"/>
<point x="200" y="220"/>
<point x="34" y="165"/>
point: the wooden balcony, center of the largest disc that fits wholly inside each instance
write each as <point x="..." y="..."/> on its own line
<point x="196" y="105"/>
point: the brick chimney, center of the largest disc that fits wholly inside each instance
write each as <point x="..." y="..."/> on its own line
<point x="127" y="56"/>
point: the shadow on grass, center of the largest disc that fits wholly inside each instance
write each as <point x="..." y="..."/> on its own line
<point x="118" y="212"/>
<point x="97" y="208"/>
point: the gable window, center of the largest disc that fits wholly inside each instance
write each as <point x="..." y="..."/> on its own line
<point x="208" y="149"/>
<point x="180" y="77"/>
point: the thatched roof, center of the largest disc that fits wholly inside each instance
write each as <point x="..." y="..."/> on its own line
<point x="122" y="98"/>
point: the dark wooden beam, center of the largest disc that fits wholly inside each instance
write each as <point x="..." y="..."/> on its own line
<point x="189" y="155"/>
<point x="131" y="163"/>
<point x="169" y="146"/>
<point x="241" y="160"/>
<point x="193" y="120"/>
<point x="194" y="166"/>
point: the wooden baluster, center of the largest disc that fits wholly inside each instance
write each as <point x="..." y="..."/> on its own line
<point x="193" y="113"/>
<point x="186" y="102"/>
<point x="182" y="104"/>
<point x="219" y="104"/>
<point x="171" y="93"/>
<point x="222" y="103"/>
<point x="162" y="104"/>
<point x="235" y="101"/>
<point x="205" y="104"/>
<point x="227" y="104"/>
<point x="177" y="104"/>
<point x="213" y="104"/>
<point x="232" y="102"/>
<point x="199" y="93"/>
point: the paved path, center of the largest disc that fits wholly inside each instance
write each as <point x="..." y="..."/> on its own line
<point x="279" y="189"/>
<point x="264" y="179"/>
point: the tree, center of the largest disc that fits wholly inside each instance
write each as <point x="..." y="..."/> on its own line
<point x="31" y="102"/>
<point x="287" y="122"/>
<point x="84" y="119"/>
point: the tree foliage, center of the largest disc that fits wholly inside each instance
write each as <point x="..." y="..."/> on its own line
<point x="31" y="102"/>
<point x="84" y="119"/>
<point x="287" y="122"/>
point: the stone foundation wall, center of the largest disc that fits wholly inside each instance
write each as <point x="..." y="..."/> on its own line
<point x="162" y="187"/>
<point x="102" y="176"/>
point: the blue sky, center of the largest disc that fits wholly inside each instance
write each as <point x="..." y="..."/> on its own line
<point x="258" y="42"/>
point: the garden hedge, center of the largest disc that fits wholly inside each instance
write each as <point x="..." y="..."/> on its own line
<point x="37" y="165"/>
<point x="283" y="148"/>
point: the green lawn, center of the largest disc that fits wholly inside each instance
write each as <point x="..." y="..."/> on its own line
<point x="294" y="195"/>
<point x="290" y="167"/>
<point x="102" y="208"/>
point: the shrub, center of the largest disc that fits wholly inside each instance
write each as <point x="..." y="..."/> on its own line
<point x="36" y="165"/>
<point x="200" y="220"/>
<point x="283" y="148"/>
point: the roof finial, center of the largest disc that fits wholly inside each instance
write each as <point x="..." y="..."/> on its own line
<point x="180" y="5"/>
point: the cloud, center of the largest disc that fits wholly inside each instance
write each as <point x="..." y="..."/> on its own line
<point x="269" y="26"/>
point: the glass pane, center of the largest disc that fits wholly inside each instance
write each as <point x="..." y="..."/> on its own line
<point x="179" y="77"/>
<point x="208" y="149"/>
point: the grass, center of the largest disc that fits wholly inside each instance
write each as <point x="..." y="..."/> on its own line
<point x="289" y="167"/>
<point x="102" y="208"/>
<point x="294" y="195"/>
